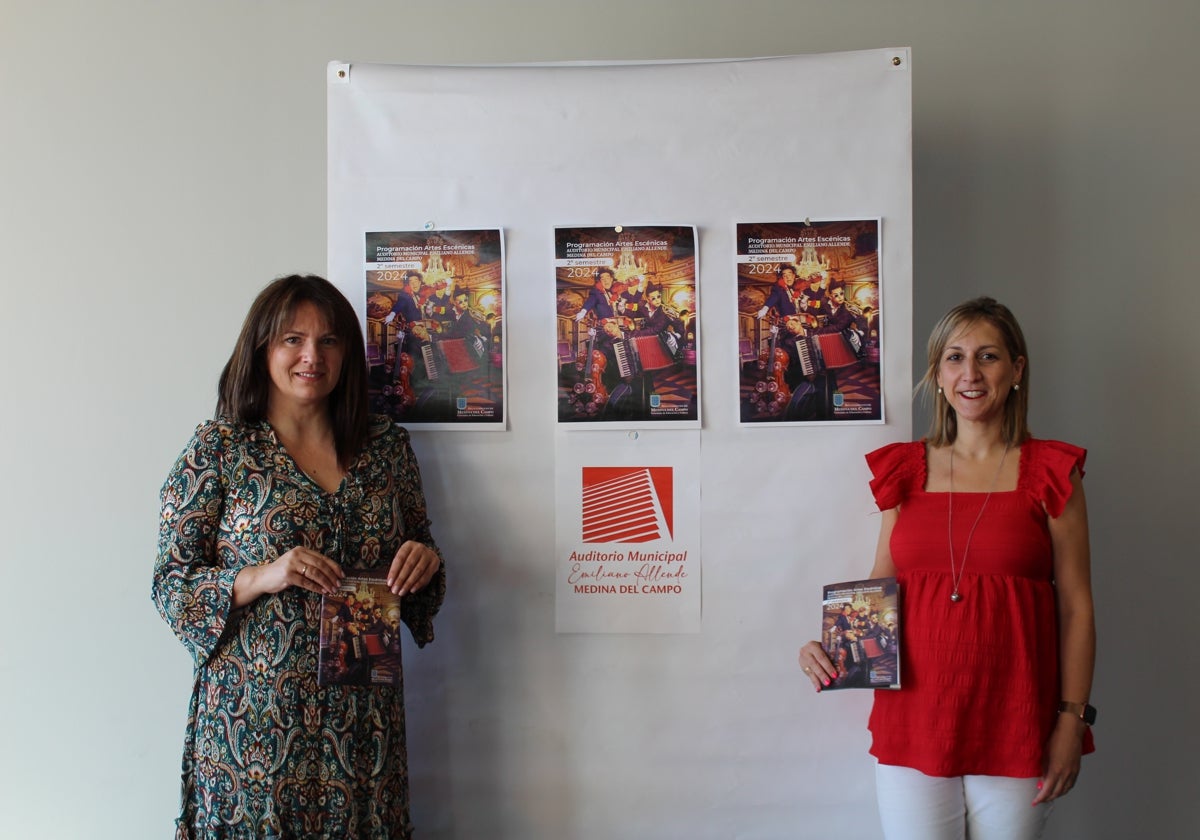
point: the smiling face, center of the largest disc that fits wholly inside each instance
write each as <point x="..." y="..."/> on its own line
<point x="976" y="372"/>
<point x="304" y="360"/>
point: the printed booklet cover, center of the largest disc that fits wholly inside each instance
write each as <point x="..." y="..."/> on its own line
<point x="860" y="631"/>
<point x="360" y="632"/>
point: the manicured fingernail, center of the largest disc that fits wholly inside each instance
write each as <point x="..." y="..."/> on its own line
<point x="1039" y="785"/>
<point x="835" y="675"/>
<point x="826" y="681"/>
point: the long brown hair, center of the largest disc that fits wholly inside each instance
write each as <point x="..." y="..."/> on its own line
<point x="943" y="427"/>
<point x="246" y="382"/>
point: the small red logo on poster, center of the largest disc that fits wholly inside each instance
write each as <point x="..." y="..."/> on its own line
<point x="628" y="504"/>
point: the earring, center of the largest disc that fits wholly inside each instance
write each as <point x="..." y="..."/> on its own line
<point x="1016" y="386"/>
<point x="939" y="390"/>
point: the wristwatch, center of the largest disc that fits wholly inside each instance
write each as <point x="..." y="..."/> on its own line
<point x="1084" y="711"/>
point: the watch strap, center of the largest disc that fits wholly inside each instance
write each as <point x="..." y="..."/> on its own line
<point x="1084" y="711"/>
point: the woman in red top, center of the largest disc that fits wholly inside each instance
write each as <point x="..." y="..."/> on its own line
<point x="985" y="528"/>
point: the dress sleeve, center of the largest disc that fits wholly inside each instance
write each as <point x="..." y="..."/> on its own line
<point x="1050" y="473"/>
<point x="895" y="468"/>
<point x="191" y="589"/>
<point x="417" y="609"/>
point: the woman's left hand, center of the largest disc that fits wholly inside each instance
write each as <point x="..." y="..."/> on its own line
<point x="1062" y="764"/>
<point x="414" y="565"/>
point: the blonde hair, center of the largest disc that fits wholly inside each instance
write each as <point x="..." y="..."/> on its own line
<point x="943" y="427"/>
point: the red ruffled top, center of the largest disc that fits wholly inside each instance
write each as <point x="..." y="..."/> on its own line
<point x="980" y="677"/>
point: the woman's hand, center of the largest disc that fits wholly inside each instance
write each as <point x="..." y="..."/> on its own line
<point x="817" y="665"/>
<point x="1062" y="759"/>
<point x="300" y="567"/>
<point x="414" y="565"/>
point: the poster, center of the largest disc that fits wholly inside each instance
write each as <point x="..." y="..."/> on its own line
<point x="628" y="532"/>
<point x="808" y="322"/>
<point x="627" y="314"/>
<point x="435" y="327"/>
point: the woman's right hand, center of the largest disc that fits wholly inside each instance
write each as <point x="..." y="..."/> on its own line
<point x="300" y="567"/>
<point x="817" y="665"/>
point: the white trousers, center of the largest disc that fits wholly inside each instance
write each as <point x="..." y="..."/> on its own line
<point x="913" y="806"/>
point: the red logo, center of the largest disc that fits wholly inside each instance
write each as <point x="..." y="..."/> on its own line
<point x="628" y="504"/>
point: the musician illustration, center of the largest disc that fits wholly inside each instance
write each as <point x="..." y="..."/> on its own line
<point x="603" y="304"/>
<point x="602" y="301"/>
<point x="844" y="318"/>
<point x="588" y="395"/>
<point x="803" y="366"/>
<point x="845" y="619"/>
<point x="347" y="652"/>
<point x="815" y="296"/>
<point x="838" y="316"/>
<point x="785" y="297"/>
<point x="465" y="325"/>
<point x="640" y="351"/>
<point x="408" y="309"/>
<point x="633" y="297"/>
<point x="420" y="339"/>
<point x="664" y="323"/>
<point x="661" y="320"/>
<point x="438" y="305"/>
<point x="791" y="341"/>
<point x="835" y="634"/>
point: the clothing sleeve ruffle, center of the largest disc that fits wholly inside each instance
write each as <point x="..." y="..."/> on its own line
<point x="191" y="589"/>
<point x="1049" y="473"/>
<point x="417" y="609"/>
<point x="896" y="468"/>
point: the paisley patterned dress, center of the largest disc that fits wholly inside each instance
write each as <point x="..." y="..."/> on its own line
<point x="268" y="753"/>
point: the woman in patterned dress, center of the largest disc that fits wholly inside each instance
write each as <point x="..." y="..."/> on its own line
<point x="269" y="505"/>
<point x="985" y="529"/>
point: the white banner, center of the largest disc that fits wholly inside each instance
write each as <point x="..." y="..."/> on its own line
<point x="780" y="508"/>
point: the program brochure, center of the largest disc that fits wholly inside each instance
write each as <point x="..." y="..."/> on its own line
<point x="860" y="631"/>
<point x="360" y="632"/>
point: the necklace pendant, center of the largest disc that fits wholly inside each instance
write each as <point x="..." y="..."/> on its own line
<point x="955" y="597"/>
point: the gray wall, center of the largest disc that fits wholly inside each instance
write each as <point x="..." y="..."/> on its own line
<point x="161" y="161"/>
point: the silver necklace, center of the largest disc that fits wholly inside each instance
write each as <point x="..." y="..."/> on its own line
<point x="957" y="572"/>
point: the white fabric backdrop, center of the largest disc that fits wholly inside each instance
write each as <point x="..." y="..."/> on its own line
<point x="712" y="735"/>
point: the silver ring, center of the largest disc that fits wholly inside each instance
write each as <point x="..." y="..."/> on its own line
<point x="304" y="571"/>
<point x="807" y="670"/>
